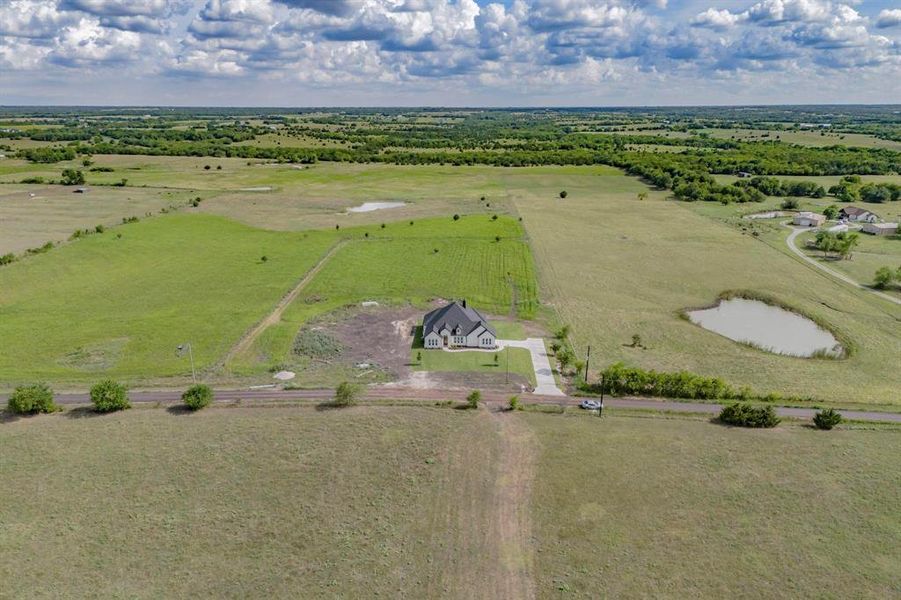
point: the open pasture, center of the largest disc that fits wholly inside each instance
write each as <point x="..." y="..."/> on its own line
<point x="808" y="137"/>
<point x="613" y="266"/>
<point x="119" y="306"/>
<point x="31" y="215"/>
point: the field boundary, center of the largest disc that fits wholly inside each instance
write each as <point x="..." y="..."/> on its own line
<point x="276" y="314"/>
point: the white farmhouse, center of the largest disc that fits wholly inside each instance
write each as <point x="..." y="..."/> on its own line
<point x="457" y="326"/>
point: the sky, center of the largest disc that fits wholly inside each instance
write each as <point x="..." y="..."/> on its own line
<point x="449" y="52"/>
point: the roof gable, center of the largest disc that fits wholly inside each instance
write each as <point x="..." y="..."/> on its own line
<point x="455" y="316"/>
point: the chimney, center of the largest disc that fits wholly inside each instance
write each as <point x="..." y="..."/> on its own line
<point x="464" y="302"/>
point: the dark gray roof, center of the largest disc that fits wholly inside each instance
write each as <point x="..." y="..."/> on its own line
<point x="454" y="315"/>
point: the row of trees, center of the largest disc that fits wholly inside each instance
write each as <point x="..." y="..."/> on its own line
<point x="106" y="396"/>
<point x="842" y="243"/>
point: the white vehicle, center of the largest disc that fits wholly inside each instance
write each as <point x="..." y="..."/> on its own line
<point x="590" y="404"/>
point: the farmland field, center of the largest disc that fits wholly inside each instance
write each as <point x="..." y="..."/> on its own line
<point x="301" y="502"/>
<point x="653" y="258"/>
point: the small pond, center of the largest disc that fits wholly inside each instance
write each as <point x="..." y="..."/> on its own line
<point x="767" y="327"/>
<point x="371" y="206"/>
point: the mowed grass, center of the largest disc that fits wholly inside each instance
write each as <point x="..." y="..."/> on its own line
<point x="648" y="507"/>
<point x="275" y="503"/>
<point x="54" y="212"/>
<point x="517" y="360"/>
<point x="612" y="266"/>
<point x="813" y="137"/>
<point x="872" y="253"/>
<point x="120" y="306"/>
<point x="399" y="264"/>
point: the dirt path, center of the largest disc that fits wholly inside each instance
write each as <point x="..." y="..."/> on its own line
<point x="511" y="522"/>
<point x="275" y="316"/>
<point x="790" y="240"/>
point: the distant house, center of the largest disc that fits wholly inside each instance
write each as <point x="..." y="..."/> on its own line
<point x="457" y="325"/>
<point x="860" y="215"/>
<point x="809" y="219"/>
<point x="880" y="228"/>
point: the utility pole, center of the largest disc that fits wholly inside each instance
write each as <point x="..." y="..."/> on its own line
<point x="180" y="351"/>
<point x="507" y="377"/>
<point x="587" y="360"/>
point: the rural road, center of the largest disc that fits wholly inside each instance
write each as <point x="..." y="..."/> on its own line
<point x="790" y="240"/>
<point x="425" y="395"/>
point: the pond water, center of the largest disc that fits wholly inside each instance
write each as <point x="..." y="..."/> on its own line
<point x="772" y="214"/>
<point x="371" y="206"/>
<point x="768" y="327"/>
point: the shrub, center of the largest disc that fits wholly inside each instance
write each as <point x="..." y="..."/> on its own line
<point x="743" y="414"/>
<point x="109" y="396"/>
<point x="197" y="396"/>
<point x="790" y="203"/>
<point x="346" y="394"/>
<point x="32" y="399"/>
<point x="827" y="419"/>
<point x="564" y="194"/>
<point x="456" y="217"/>
<point x="473" y="399"/>
<point x="7" y="258"/>
<point x="99" y="229"/>
<point x="621" y="380"/>
<point x="316" y="344"/>
<point x="514" y="403"/>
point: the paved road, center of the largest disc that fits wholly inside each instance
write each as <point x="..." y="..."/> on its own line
<point x="790" y="240"/>
<point x="427" y="395"/>
<point x="544" y="376"/>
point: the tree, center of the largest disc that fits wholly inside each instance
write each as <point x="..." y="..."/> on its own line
<point x="72" y="177"/>
<point x="514" y="403"/>
<point x="496" y="360"/>
<point x="827" y="419"/>
<point x="456" y="217"/>
<point x="564" y="194"/>
<point x="109" y="396"/>
<point x="827" y="242"/>
<point x="636" y="341"/>
<point x="32" y="399"/>
<point x="197" y="396"/>
<point x="790" y="204"/>
<point x="744" y="414"/>
<point x="565" y="358"/>
<point x="473" y="399"/>
<point x="831" y="212"/>
<point x="883" y="277"/>
<point x="555" y="347"/>
<point x="419" y="357"/>
<point x="847" y="243"/>
<point x="346" y="394"/>
<point x="563" y="332"/>
<point x="642" y="195"/>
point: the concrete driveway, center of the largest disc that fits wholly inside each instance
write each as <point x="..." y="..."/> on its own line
<point x="544" y="376"/>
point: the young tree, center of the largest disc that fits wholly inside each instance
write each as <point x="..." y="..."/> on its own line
<point x="514" y="403"/>
<point x="642" y="195"/>
<point x="473" y="399"/>
<point x="565" y="358"/>
<point x="555" y="347"/>
<point x="883" y="277"/>
<point x="847" y="244"/>
<point x="72" y="177"/>
<point x="197" y="396"/>
<point x="109" y="396"/>
<point x="346" y="394"/>
<point x="32" y="399"/>
<point x="563" y="194"/>
<point x="636" y="341"/>
<point x="831" y="212"/>
<point x="419" y="357"/>
<point x="563" y="332"/>
<point x="496" y="360"/>
<point x="827" y="419"/>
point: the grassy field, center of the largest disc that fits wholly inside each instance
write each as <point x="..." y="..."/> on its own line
<point x="520" y="362"/>
<point x="613" y="266"/>
<point x="817" y="137"/>
<point x="680" y="508"/>
<point x="387" y="501"/>
<point x="398" y="264"/>
<point x="54" y="212"/>
<point x="119" y="306"/>
<point x="872" y="253"/>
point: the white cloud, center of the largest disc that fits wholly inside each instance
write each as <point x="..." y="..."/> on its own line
<point x="889" y="18"/>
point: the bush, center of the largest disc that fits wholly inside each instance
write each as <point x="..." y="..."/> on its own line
<point x="473" y="399"/>
<point x="827" y="419"/>
<point x="514" y="403"/>
<point x="109" y="396"/>
<point x="317" y="344"/>
<point x="619" y="379"/>
<point x="743" y="414"/>
<point x="32" y="399"/>
<point x="7" y="258"/>
<point x="346" y="394"/>
<point x="790" y="203"/>
<point x="563" y="194"/>
<point x="197" y="396"/>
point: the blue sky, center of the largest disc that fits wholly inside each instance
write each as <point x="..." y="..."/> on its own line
<point x="449" y="52"/>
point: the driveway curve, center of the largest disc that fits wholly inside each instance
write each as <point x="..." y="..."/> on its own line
<point x="544" y="375"/>
<point x="790" y="240"/>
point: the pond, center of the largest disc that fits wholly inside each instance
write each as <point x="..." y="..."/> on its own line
<point x="767" y="327"/>
<point x="371" y="206"/>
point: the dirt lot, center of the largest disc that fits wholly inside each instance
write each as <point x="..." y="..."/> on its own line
<point x="379" y="338"/>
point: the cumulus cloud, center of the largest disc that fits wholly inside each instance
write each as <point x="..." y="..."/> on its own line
<point x="420" y="42"/>
<point x="889" y="18"/>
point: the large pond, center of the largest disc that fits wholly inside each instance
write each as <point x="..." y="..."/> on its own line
<point x="767" y="327"/>
<point x="371" y="206"/>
